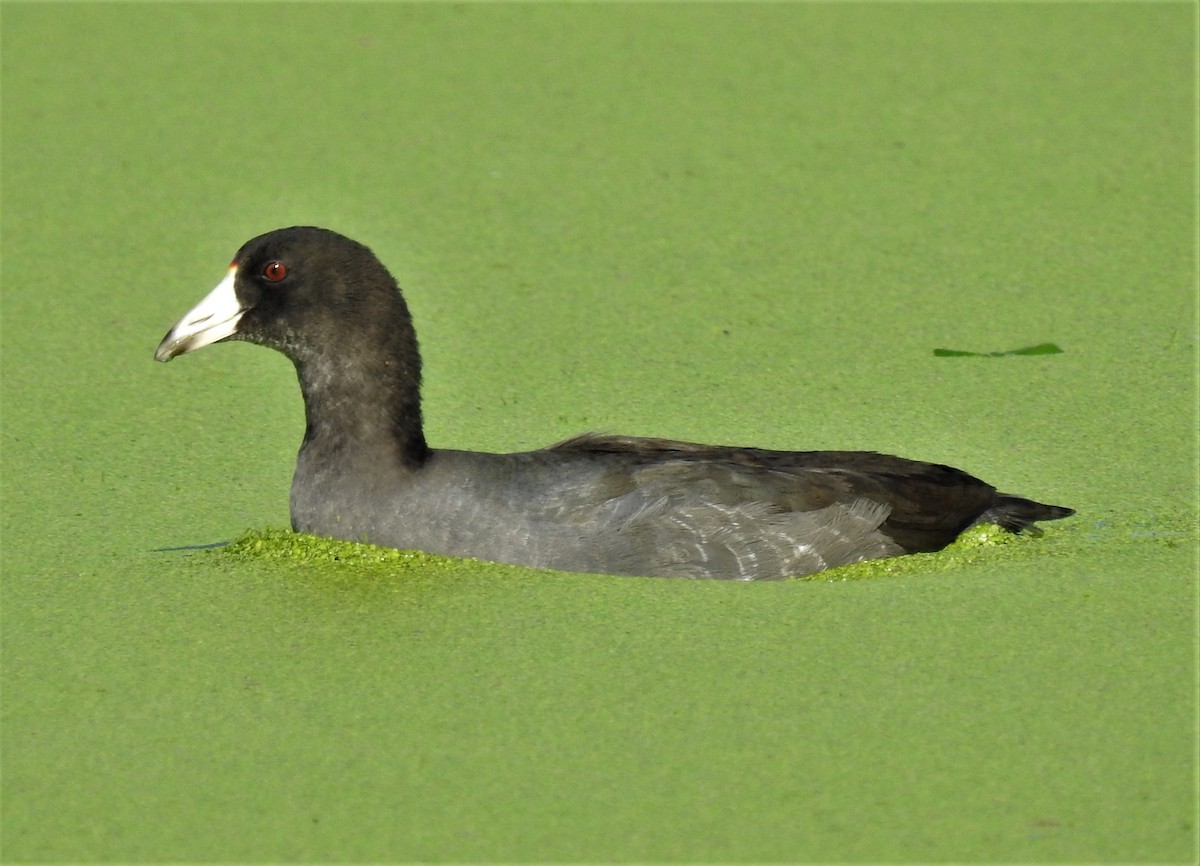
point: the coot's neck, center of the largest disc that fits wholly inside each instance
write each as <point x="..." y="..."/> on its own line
<point x="362" y="401"/>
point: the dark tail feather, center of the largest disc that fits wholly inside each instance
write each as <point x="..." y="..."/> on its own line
<point x="1017" y="514"/>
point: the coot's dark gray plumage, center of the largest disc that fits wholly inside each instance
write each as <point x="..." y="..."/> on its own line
<point x="596" y="503"/>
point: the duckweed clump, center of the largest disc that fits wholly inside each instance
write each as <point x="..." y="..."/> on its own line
<point x="285" y="546"/>
<point x="977" y="544"/>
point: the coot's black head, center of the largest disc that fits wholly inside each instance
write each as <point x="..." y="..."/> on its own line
<point x="308" y="292"/>
<point x="327" y="303"/>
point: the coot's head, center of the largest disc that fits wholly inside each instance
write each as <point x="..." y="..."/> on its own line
<point x="305" y="291"/>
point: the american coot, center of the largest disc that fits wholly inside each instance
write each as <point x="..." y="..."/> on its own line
<point x="596" y="503"/>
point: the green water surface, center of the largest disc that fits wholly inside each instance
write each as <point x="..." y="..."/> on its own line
<point x="734" y="223"/>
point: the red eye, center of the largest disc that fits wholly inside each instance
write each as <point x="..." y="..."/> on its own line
<point x="275" y="271"/>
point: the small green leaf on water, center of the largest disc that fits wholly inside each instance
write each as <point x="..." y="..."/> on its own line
<point x="1039" y="349"/>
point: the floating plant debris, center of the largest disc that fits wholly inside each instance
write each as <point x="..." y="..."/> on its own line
<point x="1039" y="349"/>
